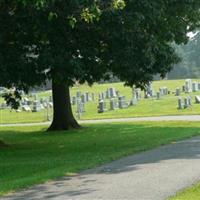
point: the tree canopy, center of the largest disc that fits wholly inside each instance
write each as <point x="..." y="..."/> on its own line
<point x="85" y="40"/>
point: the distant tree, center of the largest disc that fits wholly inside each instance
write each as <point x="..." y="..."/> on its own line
<point x="182" y="69"/>
<point x="85" y="40"/>
<point x="189" y="67"/>
<point x="192" y="50"/>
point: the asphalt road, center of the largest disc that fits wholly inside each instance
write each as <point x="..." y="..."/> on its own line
<point x="151" y="175"/>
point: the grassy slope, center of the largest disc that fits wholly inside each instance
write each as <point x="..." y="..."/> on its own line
<point x="192" y="193"/>
<point x="146" y="107"/>
<point x="35" y="156"/>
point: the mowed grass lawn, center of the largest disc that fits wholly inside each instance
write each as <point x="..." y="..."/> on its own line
<point x="167" y="105"/>
<point x="192" y="193"/>
<point x="35" y="156"/>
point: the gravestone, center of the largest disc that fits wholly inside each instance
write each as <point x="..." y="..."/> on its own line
<point x="117" y="93"/>
<point x="50" y="104"/>
<point x="88" y="98"/>
<point x="165" y="91"/>
<point x="73" y="100"/>
<point x="178" y="92"/>
<point x="80" y="108"/>
<point x="108" y="95"/>
<point x="112" y="92"/>
<point x="113" y="104"/>
<point x="180" y="103"/>
<point x="50" y="99"/>
<point x="103" y="94"/>
<point x="35" y="96"/>
<point x="26" y="99"/>
<point x="122" y="102"/>
<point x="158" y="95"/>
<point x="189" y="101"/>
<point x="138" y="94"/>
<point x="29" y="102"/>
<point x="188" y="85"/>
<point x="83" y="98"/>
<point x="101" y="106"/>
<point x="149" y="90"/>
<point x="41" y="106"/>
<point x="134" y="99"/>
<point x="26" y="108"/>
<point x="146" y="95"/>
<point x="194" y="87"/>
<point x="78" y="94"/>
<point x="41" y="100"/>
<point x="23" y="103"/>
<point x="161" y="91"/>
<point x="36" y="106"/>
<point x="45" y="104"/>
<point x="4" y="106"/>
<point x="186" y="103"/>
<point x="197" y="99"/>
<point x="183" y="88"/>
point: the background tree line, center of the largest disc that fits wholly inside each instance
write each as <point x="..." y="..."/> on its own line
<point x="189" y="67"/>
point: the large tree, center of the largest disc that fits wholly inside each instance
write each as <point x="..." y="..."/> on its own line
<point x="85" y="40"/>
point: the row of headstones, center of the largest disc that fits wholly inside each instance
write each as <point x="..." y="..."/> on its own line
<point x="115" y="103"/>
<point x="80" y="100"/>
<point x="187" y="102"/>
<point x="109" y="94"/>
<point x="32" y="105"/>
<point x="36" y="105"/>
<point x="163" y="91"/>
<point x="149" y="92"/>
<point x="190" y="86"/>
<point x="84" y="98"/>
<point x="136" y="94"/>
<point x="184" y="103"/>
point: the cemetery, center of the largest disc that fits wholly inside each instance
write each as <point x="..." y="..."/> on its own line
<point x="166" y="97"/>
<point x="69" y="129"/>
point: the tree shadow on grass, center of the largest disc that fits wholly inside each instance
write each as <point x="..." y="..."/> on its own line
<point x="82" y="184"/>
<point x="3" y="145"/>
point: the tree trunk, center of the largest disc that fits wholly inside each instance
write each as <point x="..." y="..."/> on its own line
<point x="63" y="118"/>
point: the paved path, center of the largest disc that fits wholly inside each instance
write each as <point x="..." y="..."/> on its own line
<point x="134" y="119"/>
<point x="151" y="175"/>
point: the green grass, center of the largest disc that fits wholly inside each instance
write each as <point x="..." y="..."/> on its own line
<point x="35" y="156"/>
<point x="146" y="107"/>
<point x="7" y="116"/>
<point x="192" y="193"/>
